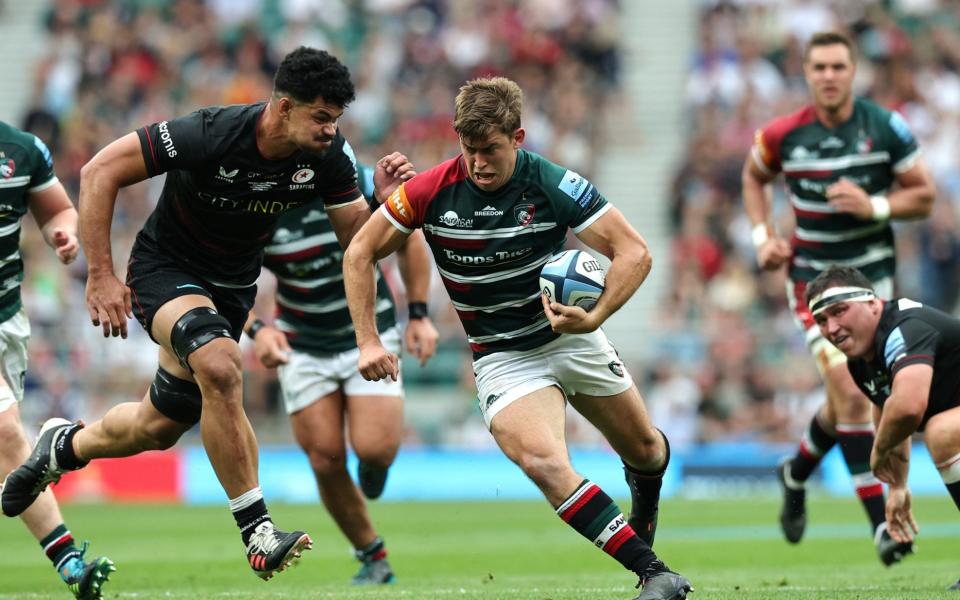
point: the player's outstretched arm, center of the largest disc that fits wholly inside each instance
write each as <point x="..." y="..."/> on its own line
<point x="57" y="219"/>
<point x="413" y="260"/>
<point x="772" y="251"/>
<point x="901" y="416"/>
<point x="630" y="263"/>
<point x="377" y="239"/>
<point x="119" y="164"/>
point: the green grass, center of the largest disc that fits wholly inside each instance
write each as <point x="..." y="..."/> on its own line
<point x="730" y="549"/>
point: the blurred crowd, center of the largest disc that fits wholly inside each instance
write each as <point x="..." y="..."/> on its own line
<point x="734" y="364"/>
<point x="112" y="66"/>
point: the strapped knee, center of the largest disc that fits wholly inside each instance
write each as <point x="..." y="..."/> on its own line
<point x="197" y="328"/>
<point x="176" y="398"/>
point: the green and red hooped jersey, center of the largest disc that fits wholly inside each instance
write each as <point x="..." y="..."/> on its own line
<point x="489" y="246"/>
<point x="870" y="149"/>
<point x="26" y="167"/>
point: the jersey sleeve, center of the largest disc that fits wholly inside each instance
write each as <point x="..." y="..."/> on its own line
<point x="182" y="143"/>
<point x="407" y="205"/>
<point x="577" y="202"/>
<point x="904" y="150"/>
<point x="912" y="342"/>
<point x="42" y="176"/>
<point x="338" y="185"/>
<point x="765" y="150"/>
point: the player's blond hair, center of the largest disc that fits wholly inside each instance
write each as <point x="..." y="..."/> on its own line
<point x="488" y="105"/>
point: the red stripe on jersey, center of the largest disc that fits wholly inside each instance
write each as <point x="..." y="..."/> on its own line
<point x="292" y="311"/>
<point x="153" y="151"/>
<point x="477" y="347"/>
<point x="571" y="512"/>
<point x="348" y="194"/>
<point x="618" y="539"/>
<point x="808" y="174"/>
<point x="298" y="255"/>
<point x="809" y="214"/>
<point x="797" y="242"/>
<point x="448" y="242"/>
<point x="457" y="287"/>
<point x="467" y="315"/>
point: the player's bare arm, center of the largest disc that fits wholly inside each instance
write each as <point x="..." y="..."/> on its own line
<point x="376" y="240"/>
<point x="614" y="237"/>
<point x="772" y="250"/>
<point x="912" y="200"/>
<point x="413" y="261"/>
<point x="902" y="414"/>
<point x="119" y="164"/>
<point x="390" y="171"/>
<point x="57" y="219"/>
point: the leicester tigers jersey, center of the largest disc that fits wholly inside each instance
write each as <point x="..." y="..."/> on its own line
<point x="221" y="199"/>
<point x="870" y="149"/>
<point x="307" y="260"/>
<point x="26" y="167"/>
<point x="910" y="333"/>
<point x="489" y="246"/>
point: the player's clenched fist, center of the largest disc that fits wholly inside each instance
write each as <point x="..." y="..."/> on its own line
<point x="377" y="363"/>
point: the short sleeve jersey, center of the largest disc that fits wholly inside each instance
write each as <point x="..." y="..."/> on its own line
<point x="221" y="200"/>
<point x="490" y="246"/>
<point x="307" y="260"/>
<point x="26" y="167"/>
<point x="870" y="149"/>
<point x="911" y="333"/>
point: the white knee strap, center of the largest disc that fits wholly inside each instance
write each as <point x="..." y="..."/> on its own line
<point x="950" y="470"/>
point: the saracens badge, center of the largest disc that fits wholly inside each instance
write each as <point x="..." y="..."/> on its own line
<point x="303" y="176"/>
<point x="524" y="214"/>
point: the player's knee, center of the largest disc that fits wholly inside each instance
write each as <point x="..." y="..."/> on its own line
<point x="326" y="464"/>
<point x="195" y="329"/>
<point x="219" y="371"/>
<point x="12" y="439"/>
<point x="941" y="439"/>
<point x="649" y="450"/>
<point x="542" y="468"/>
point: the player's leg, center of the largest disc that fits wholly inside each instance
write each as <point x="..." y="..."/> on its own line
<point x="942" y="436"/>
<point x="374" y="418"/>
<point x="530" y="431"/>
<point x="375" y="424"/>
<point x="42" y="518"/>
<point x="204" y="343"/>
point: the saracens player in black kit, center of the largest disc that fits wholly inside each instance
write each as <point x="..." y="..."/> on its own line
<point x="906" y="358"/>
<point x="231" y="171"/>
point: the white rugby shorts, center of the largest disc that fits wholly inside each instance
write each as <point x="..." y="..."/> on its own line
<point x="14" y="334"/>
<point x="307" y="378"/>
<point x="577" y="364"/>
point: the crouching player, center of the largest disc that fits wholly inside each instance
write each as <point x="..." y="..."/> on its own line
<point x="906" y="358"/>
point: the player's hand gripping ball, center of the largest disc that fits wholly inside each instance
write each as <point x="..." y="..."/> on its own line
<point x="573" y="278"/>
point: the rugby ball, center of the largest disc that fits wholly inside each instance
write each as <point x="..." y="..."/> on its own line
<point x="573" y="278"/>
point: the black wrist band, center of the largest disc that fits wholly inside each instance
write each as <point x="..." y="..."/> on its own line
<point x="256" y="326"/>
<point x="417" y="310"/>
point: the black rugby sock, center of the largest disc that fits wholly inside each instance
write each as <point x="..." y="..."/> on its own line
<point x="816" y="442"/>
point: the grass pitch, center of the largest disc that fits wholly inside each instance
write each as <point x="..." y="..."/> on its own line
<point x="730" y="549"/>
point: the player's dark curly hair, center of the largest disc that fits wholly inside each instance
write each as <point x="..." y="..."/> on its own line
<point x="837" y="276"/>
<point x="307" y="73"/>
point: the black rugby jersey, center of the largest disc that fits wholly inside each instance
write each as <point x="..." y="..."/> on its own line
<point x="911" y="333"/>
<point x="221" y="199"/>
